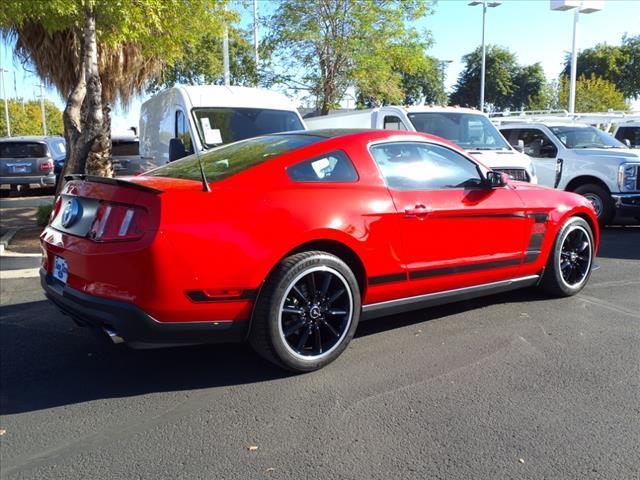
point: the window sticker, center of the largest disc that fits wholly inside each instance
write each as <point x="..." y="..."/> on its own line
<point x="211" y="135"/>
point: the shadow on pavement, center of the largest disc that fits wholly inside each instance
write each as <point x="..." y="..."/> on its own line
<point x="47" y="361"/>
<point x="620" y="242"/>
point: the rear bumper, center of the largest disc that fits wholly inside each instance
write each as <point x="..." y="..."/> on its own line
<point x="42" y="180"/>
<point x="627" y="204"/>
<point x="131" y="324"/>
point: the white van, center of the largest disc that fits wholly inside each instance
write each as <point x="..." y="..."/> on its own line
<point x="467" y="128"/>
<point x="187" y="119"/>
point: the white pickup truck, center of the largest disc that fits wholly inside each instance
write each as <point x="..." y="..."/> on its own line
<point x="467" y="128"/>
<point x="582" y="159"/>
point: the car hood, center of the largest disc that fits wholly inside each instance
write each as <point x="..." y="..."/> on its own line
<point x="605" y="153"/>
<point x="501" y="158"/>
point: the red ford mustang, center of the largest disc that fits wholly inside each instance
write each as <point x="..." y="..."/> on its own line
<point x="289" y="240"/>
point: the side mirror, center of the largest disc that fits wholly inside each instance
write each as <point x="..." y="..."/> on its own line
<point x="627" y="142"/>
<point x="176" y="149"/>
<point x="520" y="146"/>
<point x="496" y="179"/>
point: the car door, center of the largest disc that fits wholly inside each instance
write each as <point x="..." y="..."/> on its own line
<point x="542" y="150"/>
<point x="455" y="231"/>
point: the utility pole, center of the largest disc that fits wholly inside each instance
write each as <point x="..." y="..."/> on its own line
<point x="6" y="105"/>
<point x="44" y="117"/>
<point x="225" y="53"/>
<point x="255" y="36"/>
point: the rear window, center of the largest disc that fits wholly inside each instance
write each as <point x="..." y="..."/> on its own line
<point x="22" y="150"/>
<point x="120" y="148"/>
<point x="225" y="161"/>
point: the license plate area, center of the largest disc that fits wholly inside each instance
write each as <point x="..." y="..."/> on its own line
<point x="60" y="270"/>
<point x="21" y="169"/>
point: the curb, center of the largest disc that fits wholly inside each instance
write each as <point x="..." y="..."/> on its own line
<point x="23" y="273"/>
<point x="6" y="239"/>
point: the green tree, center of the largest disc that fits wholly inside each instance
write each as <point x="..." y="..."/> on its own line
<point x="202" y="64"/>
<point x="508" y="85"/>
<point x="26" y="119"/>
<point x="327" y="45"/>
<point x="96" y="52"/>
<point x="619" y="65"/>
<point x="592" y="95"/>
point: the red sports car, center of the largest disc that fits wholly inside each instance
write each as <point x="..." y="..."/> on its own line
<point x="289" y="240"/>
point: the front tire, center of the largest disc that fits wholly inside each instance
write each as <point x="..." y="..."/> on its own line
<point x="569" y="264"/>
<point x="601" y="201"/>
<point x="307" y="312"/>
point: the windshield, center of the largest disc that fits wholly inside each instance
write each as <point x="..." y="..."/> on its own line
<point x="585" y="137"/>
<point x="469" y="131"/>
<point x="225" y="161"/>
<point x="125" y="148"/>
<point x="226" y="125"/>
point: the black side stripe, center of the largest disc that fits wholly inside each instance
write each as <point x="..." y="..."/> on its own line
<point x="539" y="217"/>
<point x="535" y="242"/>
<point x="199" y="296"/>
<point x="390" y="278"/>
<point x="531" y="256"/>
<point x="434" y="272"/>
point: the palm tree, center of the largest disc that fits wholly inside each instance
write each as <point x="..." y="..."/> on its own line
<point x="64" y="59"/>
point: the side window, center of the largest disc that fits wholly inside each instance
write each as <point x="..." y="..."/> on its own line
<point x="629" y="133"/>
<point x="333" y="167"/>
<point x="424" y="166"/>
<point x="391" y="122"/>
<point x="536" y="143"/>
<point x="182" y="130"/>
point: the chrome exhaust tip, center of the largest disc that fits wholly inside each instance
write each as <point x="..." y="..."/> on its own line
<point x="113" y="335"/>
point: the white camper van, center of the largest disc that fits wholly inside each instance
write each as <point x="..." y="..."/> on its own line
<point x="186" y="119"/>
<point x="467" y="128"/>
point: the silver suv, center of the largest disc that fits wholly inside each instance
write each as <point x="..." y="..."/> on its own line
<point x="31" y="160"/>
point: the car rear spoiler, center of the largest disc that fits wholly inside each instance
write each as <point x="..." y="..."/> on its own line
<point x="111" y="181"/>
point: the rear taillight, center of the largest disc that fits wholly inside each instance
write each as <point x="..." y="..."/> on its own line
<point x="56" y="209"/>
<point x="46" y="166"/>
<point x="116" y="222"/>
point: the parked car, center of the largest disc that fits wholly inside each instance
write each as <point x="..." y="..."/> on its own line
<point x="628" y="133"/>
<point x="125" y="153"/>
<point x="31" y="160"/>
<point x="187" y="119"/>
<point x="289" y="240"/>
<point x="467" y="128"/>
<point x="583" y="159"/>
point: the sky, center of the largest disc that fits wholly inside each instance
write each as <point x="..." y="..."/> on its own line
<point x="529" y="28"/>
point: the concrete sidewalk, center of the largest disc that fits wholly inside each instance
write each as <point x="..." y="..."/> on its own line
<point x="18" y="221"/>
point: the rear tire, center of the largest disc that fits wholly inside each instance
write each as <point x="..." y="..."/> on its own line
<point x="569" y="264"/>
<point x="307" y="312"/>
<point x="601" y="201"/>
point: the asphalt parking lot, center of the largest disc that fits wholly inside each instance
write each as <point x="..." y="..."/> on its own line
<point x="514" y="386"/>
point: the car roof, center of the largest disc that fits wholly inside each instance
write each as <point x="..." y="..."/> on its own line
<point x="629" y="124"/>
<point x="541" y="124"/>
<point x="31" y="138"/>
<point x="442" y="109"/>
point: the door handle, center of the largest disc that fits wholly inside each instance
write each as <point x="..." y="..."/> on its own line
<point x="419" y="210"/>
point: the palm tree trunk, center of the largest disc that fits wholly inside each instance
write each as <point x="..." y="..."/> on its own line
<point x="95" y="134"/>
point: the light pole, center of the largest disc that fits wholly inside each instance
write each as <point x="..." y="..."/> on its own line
<point x="255" y="34"/>
<point x="42" y="110"/>
<point x="580" y="6"/>
<point x="484" y="4"/>
<point x="6" y="106"/>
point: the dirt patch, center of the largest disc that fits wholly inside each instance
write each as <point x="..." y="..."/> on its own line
<point x="26" y="240"/>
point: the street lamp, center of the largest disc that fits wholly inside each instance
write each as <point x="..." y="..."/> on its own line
<point x="484" y="4"/>
<point x="579" y="6"/>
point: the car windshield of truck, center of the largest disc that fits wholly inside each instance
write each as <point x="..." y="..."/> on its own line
<point x="227" y="160"/>
<point x="22" y="150"/>
<point x="468" y="131"/>
<point x="217" y="126"/>
<point x="585" y="137"/>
